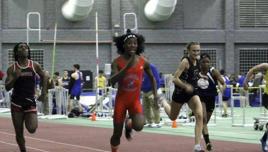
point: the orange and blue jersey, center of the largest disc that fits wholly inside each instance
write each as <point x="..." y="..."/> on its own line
<point x="129" y="87"/>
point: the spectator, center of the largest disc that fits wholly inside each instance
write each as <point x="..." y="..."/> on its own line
<point x="65" y="79"/>
<point x="1" y="75"/>
<point x="57" y="79"/>
<point x="151" y="109"/>
<point x="100" y="83"/>
<point x="44" y="99"/>
<point x="162" y="82"/>
<point x="226" y="94"/>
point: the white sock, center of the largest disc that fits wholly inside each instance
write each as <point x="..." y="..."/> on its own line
<point x="197" y="147"/>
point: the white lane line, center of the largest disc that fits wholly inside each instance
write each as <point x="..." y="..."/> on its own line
<point x="11" y="144"/>
<point x="55" y="142"/>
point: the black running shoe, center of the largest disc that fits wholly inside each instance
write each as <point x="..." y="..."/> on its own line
<point x="128" y="131"/>
<point x="209" y="147"/>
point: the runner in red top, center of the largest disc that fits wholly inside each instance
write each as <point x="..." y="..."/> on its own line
<point x="127" y="70"/>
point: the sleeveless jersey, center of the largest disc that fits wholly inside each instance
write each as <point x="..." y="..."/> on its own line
<point x="191" y="75"/>
<point x="130" y="86"/>
<point x="207" y="87"/>
<point x="76" y="89"/>
<point x="24" y="87"/>
<point x="65" y="82"/>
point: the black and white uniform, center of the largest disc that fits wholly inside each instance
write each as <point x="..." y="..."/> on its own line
<point x="23" y="95"/>
<point x="207" y="89"/>
<point x="189" y="76"/>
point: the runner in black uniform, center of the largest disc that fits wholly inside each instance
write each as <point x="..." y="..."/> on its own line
<point x="207" y="90"/>
<point x="21" y="76"/>
<point x="185" y="80"/>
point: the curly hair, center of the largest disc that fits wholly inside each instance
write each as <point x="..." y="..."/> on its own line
<point x="120" y="41"/>
<point x="15" y="51"/>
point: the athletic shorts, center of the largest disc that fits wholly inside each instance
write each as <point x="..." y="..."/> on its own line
<point x="180" y="96"/>
<point x="122" y="106"/>
<point x="23" y="105"/>
<point x="209" y="101"/>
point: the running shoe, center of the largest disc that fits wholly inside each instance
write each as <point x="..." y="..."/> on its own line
<point x="128" y="130"/>
<point x="209" y="147"/>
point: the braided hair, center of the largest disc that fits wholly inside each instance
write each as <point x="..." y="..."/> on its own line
<point x="15" y="51"/>
<point x="120" y="41"/>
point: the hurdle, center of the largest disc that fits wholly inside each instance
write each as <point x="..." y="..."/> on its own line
<point x="242" y="112"/>
<point x="58" y="99"/>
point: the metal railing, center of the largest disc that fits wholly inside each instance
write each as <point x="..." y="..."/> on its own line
<point x="58" y="101"/>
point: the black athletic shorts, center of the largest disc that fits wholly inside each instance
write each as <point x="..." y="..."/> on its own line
<point x="209" y="101"/>
<point x="180" y="96"/>
<point x="23" y="105"/>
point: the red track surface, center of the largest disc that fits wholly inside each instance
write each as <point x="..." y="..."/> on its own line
<point x="52" y="137"/>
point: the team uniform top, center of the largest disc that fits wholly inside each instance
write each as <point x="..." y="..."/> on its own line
<point x="24" y="87"/>
<point x="76" y="89"/>
<point x="191" y="75"/>
<point x="65" y="82"/>
<point x="207" y="87"/>
<point x="130" y="85"/>
<point x="128" y="95"/>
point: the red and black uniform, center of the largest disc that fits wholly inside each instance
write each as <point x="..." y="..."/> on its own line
<point x="22" y="98"/>
<point x="129" y="88"/>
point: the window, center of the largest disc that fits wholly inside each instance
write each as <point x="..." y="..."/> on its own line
<point x="253" y="13"/>
<point x="249" y="57"/>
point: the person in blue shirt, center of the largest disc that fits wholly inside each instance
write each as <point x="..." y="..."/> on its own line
<point x="151" y="109"/>
<point x="243" y="99"/>
<point x="226" y="94"/>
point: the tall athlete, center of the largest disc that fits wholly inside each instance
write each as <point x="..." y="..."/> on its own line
<point x="21" y="77"/>
<point x="127" y="71"/>
<point x="185" y="80"/>
<point x="75" y="88"/>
